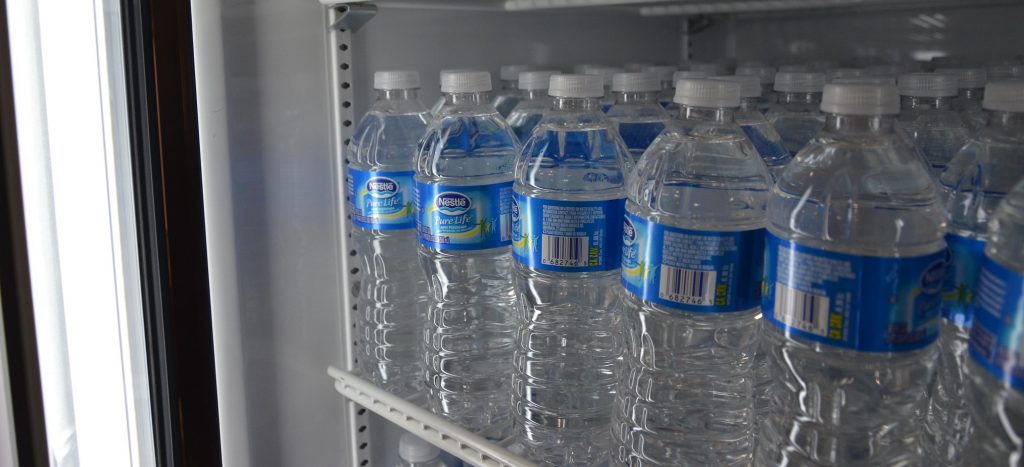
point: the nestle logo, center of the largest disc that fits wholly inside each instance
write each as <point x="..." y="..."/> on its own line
<point x="381" y="187"/>
<point x="452" y="203"/>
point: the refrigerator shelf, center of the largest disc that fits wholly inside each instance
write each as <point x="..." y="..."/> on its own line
<point x="441" y="433"/>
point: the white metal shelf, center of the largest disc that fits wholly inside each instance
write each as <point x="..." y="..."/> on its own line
<point x="440" y="432"/>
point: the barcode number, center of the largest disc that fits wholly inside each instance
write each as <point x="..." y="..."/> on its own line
<point x="801" y="310"/>
<point x="564" y="251"/>
<point x="687" y="286"/>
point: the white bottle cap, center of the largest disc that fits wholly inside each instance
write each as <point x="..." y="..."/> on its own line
<point x="635" y="82"/>
<point x="845" y="73"/>
<point x="396" y="79"/>
<point x="967" y="78"/>
<point x="707" y="93"/>
<point x="536" y="79"/>
<point x="786" y="81"/>
<point x="1004" y="96"/>
<point x="664" y="72"/>
<point x="414" y="450"/>
<point x="576" y="86"/>
<point x="860" y="99"/>
<point x="750" y="86"/>
<point x="928" y="85"/>
<point x="889" y="80"/>
<point x="765" y="74"/>
<point x="605" y="72"/>
<point x="465" y="81"/>
<point x="511" y="72"/>
<point x="688" y="74"/>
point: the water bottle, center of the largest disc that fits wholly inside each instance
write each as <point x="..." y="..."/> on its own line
<point x="673" y="108"/>
<point x="766" y="78"/>
<point x="796" y="117"/>
<point x="976" y="180"/>
<point x="414" y="452"/>
<point x="509" y="95"/>
<point x="527" y="113"/>
<point x="567" y="233"/>
<point x="854" y="268"/>
<point x="664" y="74"/>
<point x="391" y="305"/>
<point x="606" y="73"/>
<point x="693" y="244"/>
<point x="637" y="113"/>
<point x="995" y="391"/>
<point x="927" y="117"/>
<point x="464" y="223"/>
<point x="971" y="82"/>
<point x="761" y="133"/>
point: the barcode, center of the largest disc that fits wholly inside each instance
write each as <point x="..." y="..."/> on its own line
<point x="506" y="227"/>
<point x="564" y="251"/>
<point x="687" y="286"/>
<point x="801" y="310"/>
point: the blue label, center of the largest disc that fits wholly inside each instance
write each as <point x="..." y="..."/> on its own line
<point x="381" y="200"/>
<point x="640" y="135"/>
<point x="999" y="323"/>
<point x="464" y="217"/>
<point x="964" y="256"/>
<point x="866" y="303"/>
<point x="567" y="236"/>
<point x="767" y="148"/>
<point x="692" y="270"/>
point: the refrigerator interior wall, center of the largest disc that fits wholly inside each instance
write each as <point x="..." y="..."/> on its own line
<point x="983" y="33"/>
<point x="265" y="78"/>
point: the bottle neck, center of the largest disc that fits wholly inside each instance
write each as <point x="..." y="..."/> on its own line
<point x="534" y="94"/>
<point x="1008" y="120"/>
<point x="396" y="94"/>
<point x="926" y="103"/>
<point x="575" y="104"/>
<point x="633" y="97"/>
<point x="707" y="114"/>
<point x="972" y="94"/>
<point x="859" y="124"/>
<point x="800" y="98"/>
<point x="466" y="98"/>
<point x="748" y="103"/>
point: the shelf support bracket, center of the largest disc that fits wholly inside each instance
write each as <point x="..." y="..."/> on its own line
<point x="353" y="16"/>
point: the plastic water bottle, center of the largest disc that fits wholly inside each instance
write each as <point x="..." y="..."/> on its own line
<point x="567" y="233"/>
<point x="415" y="452"/>
<point x="392" y="297"/>
<point x="693" y="244"/>
<point x="854" y="268"/>
<point x="637" y="113"/>
<point x="796" y="117"/>
<point x="996" y="390"/>
<point x="977" y="179"/>
<point x="971" y="82"/>
<point x="509" y="95"/>
<point x="464" y="221"/>
<point x="928" y="119"/>
<point x="766" y="78"/>
<point x="527" y="113"/>
<point x="673" y="107"/>
<point x="761" y="133"/>
<point x="606" y="73"/>
<point x="664" y="74"/>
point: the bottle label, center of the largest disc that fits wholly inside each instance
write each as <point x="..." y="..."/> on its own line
<point x="692" y="270"/>
<point x="766" y="148"/>
<point x="381" y="200"/>
<point x="567" y="236"/>
<point x="640" y="135"/>
<point x="996" y="337"/>
<point x="464" y="217"/>
<point x="865" y="303"/>
<point x="965" y="255"/>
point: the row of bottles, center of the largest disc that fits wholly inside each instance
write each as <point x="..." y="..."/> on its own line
<point x="761" y="272"/>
